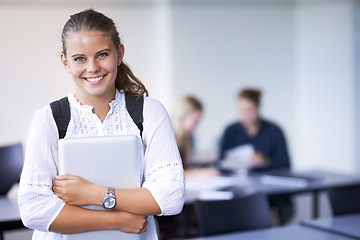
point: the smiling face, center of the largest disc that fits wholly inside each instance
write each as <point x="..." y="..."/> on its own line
<point x="92" y="60"/>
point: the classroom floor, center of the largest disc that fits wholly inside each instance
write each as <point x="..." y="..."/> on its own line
<point x="302" y="202"/>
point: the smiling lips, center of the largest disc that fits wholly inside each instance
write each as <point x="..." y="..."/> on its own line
<point x="94" y="80"/>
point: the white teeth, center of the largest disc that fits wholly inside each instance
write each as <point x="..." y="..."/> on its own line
<point x="95" y="79"/>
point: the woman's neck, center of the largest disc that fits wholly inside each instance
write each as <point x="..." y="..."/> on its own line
<point x="100" y="103"/>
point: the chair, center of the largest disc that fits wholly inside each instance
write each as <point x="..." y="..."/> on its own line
<point x="238" y="214"/>
<point x="11" y="163"/>
<point x="345" y="200"/>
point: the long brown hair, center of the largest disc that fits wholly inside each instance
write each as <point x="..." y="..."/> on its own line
<point x="92" y="20"/>
<point x="185" y="106"/>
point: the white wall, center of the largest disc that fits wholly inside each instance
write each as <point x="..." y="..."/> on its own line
<point x="357" y="83"/>
<point x="325" y="120"/>
<point x="31" y="73"/>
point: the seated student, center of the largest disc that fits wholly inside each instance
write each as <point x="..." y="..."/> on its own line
<point x="185" y="119"/>
<point x="267" y="139"/>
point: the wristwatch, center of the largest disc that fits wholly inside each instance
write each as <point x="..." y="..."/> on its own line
<point x="109" y="201"/>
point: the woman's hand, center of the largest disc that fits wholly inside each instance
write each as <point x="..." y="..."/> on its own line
<point x="130" y="223"/>
<point x="77" y="191"/>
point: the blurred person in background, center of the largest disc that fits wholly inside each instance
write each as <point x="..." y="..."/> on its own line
<point x="185" y="119"/>
<point x="267" y="141"/>
<point x="186" y="116"/>
<point x="266" y="138"/>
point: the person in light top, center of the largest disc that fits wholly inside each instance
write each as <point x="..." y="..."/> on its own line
<point x="50" y="204"/>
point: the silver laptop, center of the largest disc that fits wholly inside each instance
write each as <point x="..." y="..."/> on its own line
<point x="108" y="161"/>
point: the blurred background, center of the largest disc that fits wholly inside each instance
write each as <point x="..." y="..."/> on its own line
<point x="303" y="55"/>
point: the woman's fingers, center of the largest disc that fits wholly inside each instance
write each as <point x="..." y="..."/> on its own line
<point x="131" y="223"/>
<point x="74" y="190"/>
<point x="66" y="177"/>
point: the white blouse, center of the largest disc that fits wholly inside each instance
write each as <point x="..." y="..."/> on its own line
<point x="163" y="173"/>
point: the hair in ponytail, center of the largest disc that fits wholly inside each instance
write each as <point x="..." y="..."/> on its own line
<point x="127" y="81"/>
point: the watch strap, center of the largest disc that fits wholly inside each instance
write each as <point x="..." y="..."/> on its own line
<point x="110" y="194"/>
<point x="111" y="190"/>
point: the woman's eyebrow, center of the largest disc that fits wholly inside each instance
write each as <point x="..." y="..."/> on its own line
<point x="80" y="54"/>
<point x="104" y="50"/>
<point x="77" y="55"/>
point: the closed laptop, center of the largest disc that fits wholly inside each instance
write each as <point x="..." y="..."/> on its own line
<point x="110" y="161"/>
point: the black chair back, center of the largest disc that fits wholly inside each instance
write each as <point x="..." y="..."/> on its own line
<point x="345" y="200"/>
<point x="238" y="214"/>
<point x="11" y="163"/>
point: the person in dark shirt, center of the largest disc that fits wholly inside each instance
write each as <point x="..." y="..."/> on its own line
<point x="266" y="137"/>
<point x="268" y="141"/>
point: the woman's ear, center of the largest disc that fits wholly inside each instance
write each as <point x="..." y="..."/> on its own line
<point x="65" y="62"/>
<point x="121" y="53"/>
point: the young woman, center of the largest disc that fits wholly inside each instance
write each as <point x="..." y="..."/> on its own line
<point x="185" y="119"/>
<point x="50" y="204"/>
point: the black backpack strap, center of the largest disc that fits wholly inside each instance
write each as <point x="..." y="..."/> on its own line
<point x="61" y="114"/>
<point x="134" y="105"/>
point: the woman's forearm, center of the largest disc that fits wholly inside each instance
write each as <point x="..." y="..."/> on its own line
<point x="74" y="219"/>
<point x="79" y="192"/>
<point x="136" y="201"/>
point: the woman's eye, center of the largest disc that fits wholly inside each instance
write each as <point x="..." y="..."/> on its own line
<point x="79" y="59"/>
<point x="102" y="55"/>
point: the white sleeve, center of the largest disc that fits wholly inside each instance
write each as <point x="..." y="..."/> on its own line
<point x="164" y="173"/>
<point x="39" y="206"/>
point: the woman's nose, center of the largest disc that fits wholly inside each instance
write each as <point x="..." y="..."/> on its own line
<point x="93" y="67"/>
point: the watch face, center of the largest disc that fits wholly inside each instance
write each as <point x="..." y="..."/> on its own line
<point x="109" y="202"/>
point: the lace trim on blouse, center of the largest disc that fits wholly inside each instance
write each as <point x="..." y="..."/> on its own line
<point x="37" y="185"/>
<point x="163" y="167"/>
<point x="34" y="199"/>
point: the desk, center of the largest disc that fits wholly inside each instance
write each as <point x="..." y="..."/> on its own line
<point x="9" y="215"/>
<point x="253" y="183"/>
<point x="346" y="225"/>
<point x="279" y="233"/>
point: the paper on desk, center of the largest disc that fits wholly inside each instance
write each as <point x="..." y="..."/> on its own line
<point x="210" y="183"/>
<point x="215" y="195"/>
<point x="238" y="157"/>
